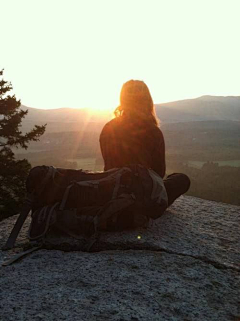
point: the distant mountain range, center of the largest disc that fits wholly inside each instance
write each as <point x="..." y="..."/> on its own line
<point x="63" y="119"/>
<point x="205" y="108"/>
<point x="200" y="109"/>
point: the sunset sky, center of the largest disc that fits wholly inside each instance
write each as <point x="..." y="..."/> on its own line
<point x="74" y="53"/>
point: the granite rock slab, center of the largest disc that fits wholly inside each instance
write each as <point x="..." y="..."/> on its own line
<point x="117" y="285"/>
<point x="191" y="226"/>
<point x="185" y="266"/>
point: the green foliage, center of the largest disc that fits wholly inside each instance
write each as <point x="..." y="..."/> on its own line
<point x="13" y="173"/>
<point x="211" y="181"/>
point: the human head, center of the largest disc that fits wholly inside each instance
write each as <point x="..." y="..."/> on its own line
<point x="136" y="102"/>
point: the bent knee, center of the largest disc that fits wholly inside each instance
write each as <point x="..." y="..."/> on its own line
<point x="186" y="182"/>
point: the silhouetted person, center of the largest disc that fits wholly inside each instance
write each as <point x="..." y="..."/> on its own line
<point x="134" y="137"/>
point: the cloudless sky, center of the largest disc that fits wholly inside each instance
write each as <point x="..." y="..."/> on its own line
<point x="78" y="53"/>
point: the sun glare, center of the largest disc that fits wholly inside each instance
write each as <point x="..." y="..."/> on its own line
<point x="86" y="53"/>
<point x="102" y="98"/>
<point x="102" y="106"/>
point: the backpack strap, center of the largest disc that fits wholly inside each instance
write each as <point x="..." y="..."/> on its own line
<point x="20" y="255"/>
<point x="42" y="219"/>
<point x="27" y="206"/>
<point x="19" y="223"/>
<point x="119" y="175"/>
<point x="112" y="208"/>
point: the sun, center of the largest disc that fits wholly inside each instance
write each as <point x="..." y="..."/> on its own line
<point x="102" y="100"/>
<point x="101" y="107"/>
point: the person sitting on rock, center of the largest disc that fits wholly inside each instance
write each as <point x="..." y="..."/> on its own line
<point x="134" y="137"/>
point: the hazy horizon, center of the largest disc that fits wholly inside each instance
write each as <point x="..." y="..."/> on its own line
<point x="156" y="104"/>
<point x="79" y="53"/>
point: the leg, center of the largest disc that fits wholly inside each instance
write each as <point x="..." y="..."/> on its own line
<point x="176" y="184"/>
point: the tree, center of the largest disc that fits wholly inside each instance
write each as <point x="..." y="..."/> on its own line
<point x="13" y="173"/>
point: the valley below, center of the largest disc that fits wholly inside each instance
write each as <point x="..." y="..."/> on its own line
<point x="202" y="138"/>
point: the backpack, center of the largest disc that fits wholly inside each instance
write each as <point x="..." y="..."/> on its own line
<point x="79" y="202"/>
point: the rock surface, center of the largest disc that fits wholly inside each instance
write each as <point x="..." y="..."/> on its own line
<point x="185" y="266"/>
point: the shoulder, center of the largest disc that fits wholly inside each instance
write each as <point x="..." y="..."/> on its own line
<point x="111" y="123"/>
<point x="156" y="131"/>
<point x="157" y="136"/>
<point x="109" y="127"/>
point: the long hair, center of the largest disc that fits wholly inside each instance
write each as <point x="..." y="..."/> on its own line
<point x="136" y="103"/>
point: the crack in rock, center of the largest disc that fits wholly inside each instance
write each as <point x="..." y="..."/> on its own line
<point x="217" y="265"/>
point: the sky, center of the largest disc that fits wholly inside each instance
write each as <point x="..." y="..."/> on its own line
<point x="78" y="53"/>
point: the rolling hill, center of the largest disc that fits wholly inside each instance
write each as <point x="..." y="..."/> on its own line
<point x="205" y="108"/>
<point x="201" y="136"/>
<point x="63" y="119"/>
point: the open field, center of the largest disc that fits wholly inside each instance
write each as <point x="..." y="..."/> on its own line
<point x="87" y="163"/>
<point x="199" y="164"/>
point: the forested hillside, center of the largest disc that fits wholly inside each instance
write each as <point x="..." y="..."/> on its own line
<point x="207" y="151"/>
<point x="202" y="139"/>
